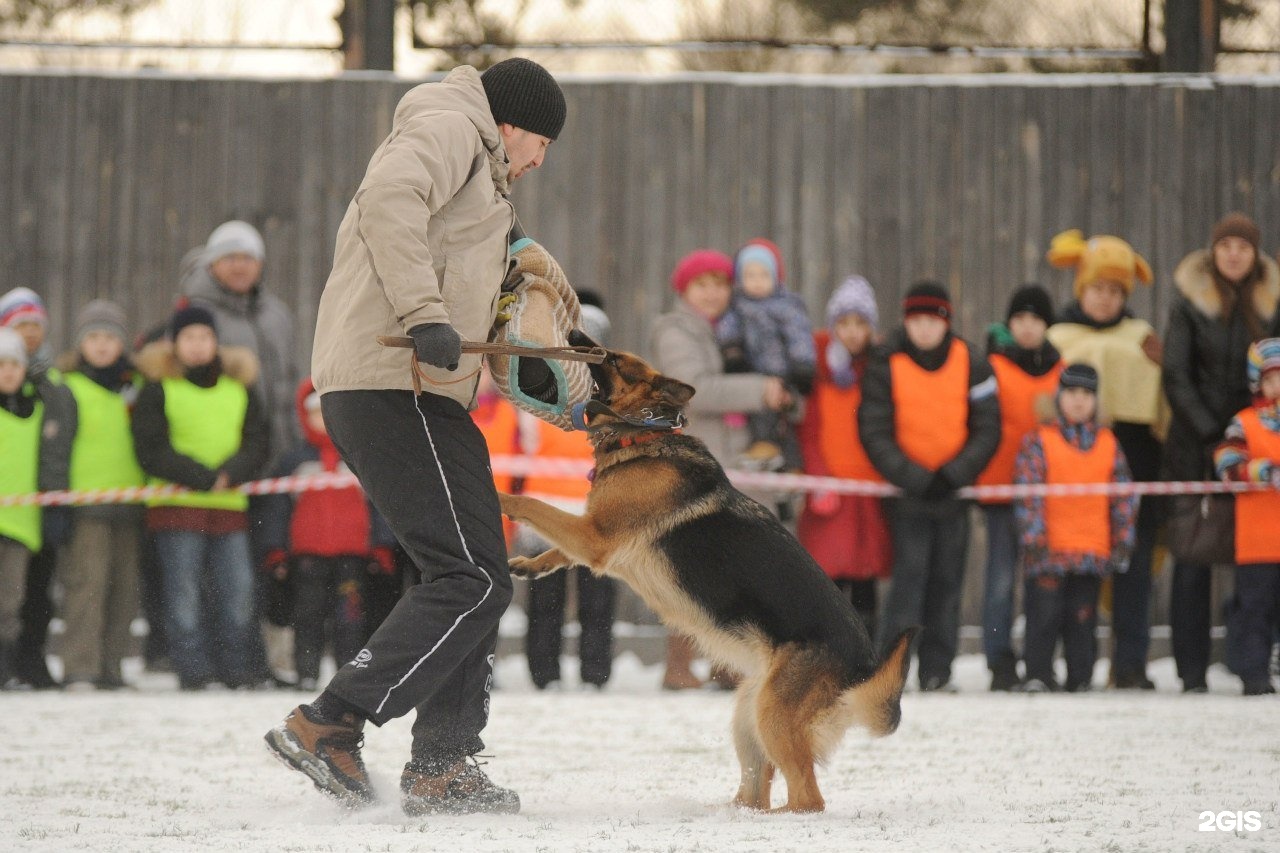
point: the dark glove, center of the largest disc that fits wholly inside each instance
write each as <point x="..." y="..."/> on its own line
<point x="437" y="344"/>
<point x="939" y="488"/>
<point x="56" y="526"/>
<point x="802" y="381"/>
<point x="536" y="380"/>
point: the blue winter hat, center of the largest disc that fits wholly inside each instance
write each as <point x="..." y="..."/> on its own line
<point x="853" y="296"/>
<point x="754" y="253"/>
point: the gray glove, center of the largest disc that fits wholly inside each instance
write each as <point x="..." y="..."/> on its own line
<point x="437" y="344"/>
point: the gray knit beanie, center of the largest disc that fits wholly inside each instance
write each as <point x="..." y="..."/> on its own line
<point x="102" y="315"/>
<point x="234" y="237"/>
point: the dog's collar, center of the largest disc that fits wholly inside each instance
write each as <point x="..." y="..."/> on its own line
<point x="631" y="441"/>
<point x="581" y="411"/>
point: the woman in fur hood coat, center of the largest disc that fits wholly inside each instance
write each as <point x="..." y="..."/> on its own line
<point x="1227" y="298"/>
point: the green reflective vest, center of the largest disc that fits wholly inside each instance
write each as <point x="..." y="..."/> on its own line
<point x="102" y="455"/>
<point x="205" y="424"/>
<point x="19" y="474"/>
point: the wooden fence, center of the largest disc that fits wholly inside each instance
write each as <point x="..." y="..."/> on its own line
<point x="110" y="179"/>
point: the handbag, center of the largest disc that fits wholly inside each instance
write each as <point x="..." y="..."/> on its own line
<point x="1202" y="529"/>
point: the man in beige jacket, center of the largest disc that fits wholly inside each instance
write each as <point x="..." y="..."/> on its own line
<point x="423" y="250"/>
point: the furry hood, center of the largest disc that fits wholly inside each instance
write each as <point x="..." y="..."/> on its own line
<point x="157" y="362"/>
<point x="1194" y="278"/>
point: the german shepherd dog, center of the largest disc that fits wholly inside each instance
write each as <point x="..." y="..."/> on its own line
<point x="718" y="566"/>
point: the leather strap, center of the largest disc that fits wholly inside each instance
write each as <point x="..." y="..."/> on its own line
<point x="592" y="355"/>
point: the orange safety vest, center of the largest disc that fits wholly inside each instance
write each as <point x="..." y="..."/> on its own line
<point x="1017" y="392"/>
<point x="838" y="439"/>
<point x="1079" y="524"/>
<point x="500" y="427"/>
<point x="1258" y="513"/>
<point x="931" y="407"/>
<point x="554" y="443"/>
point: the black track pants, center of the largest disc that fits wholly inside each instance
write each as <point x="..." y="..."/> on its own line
<point x="425" y="466"/>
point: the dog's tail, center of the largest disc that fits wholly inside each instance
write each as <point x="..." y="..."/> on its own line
<point x="876" y="703"/>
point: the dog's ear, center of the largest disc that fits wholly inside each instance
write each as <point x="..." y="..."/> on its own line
<point x="579" y="338"/>
<point x="675" y="391"/>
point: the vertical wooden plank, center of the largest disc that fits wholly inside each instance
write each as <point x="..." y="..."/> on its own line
<point x="910" y="153"/>
<point x="11" y="145"/>
<point x="50" y="166"/>
<point x="1266" y="161"/>
<point x="848" y="179"/>
<point x="880" y="212"/>
<point x="814" y="232"/>
<point x="1007" y="178"/>
<point x="1137" y="194"/>
<point x="1037" y="124"/>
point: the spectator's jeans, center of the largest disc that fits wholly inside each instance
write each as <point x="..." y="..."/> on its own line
<point x="1190" y="621"/>
<point x="1251" y="621"/>
<point x="930" y="542"/>
<point x="997" y="592"/>
<point x="208" y="576"/>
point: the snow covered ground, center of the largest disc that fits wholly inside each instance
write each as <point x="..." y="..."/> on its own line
<point x="636" y="769"/>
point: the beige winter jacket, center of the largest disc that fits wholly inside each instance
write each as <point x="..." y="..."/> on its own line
<point x="683" y="346"/>
<point x="423" y="241"/>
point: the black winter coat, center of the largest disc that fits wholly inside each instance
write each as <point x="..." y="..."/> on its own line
<point x="876" y="419"/>
<point x="1204" y="363"/>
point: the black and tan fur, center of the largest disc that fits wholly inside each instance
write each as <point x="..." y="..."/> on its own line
<point x="714" y="564"/>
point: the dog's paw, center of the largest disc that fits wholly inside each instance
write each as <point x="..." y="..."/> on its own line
<point x="522" y="567"/>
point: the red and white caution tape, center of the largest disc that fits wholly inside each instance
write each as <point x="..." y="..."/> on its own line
<point x="568" y="468"/>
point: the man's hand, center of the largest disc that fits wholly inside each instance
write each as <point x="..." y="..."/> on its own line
<point x="437" y="344"/>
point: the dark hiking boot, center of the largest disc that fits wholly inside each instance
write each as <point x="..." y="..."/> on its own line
<point x="1132" y="679"/>
<point x="461" y="789"/>
<point x="326" y="751"/>
<point x="1004" y="674"/>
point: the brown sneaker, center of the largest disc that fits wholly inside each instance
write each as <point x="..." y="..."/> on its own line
<point x="327" y="752"/>
<point x="462" y="789"/>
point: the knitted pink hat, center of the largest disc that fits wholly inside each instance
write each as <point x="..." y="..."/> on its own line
<point x="699" y="262"/>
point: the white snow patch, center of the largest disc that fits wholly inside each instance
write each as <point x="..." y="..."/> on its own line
<point x="633" y="768"/>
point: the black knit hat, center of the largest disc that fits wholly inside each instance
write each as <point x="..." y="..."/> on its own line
<point x="928" y="297"/>
<point x="524" y="94"/>
<point x="192" y="315"/>
<point x="1079" y="376"/>
<point x="1031" y="299"/>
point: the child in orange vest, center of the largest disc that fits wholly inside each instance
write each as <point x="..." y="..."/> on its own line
<point x="846" y="534"/>
<point x="1070" y="543"/>
<point x="1026" y="367"/>
<point x="1251" y="453"/>
<point x="930" y="422"/>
